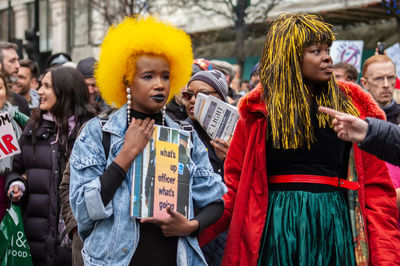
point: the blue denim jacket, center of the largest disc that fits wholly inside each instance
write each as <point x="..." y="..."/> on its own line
<point x="110" y="236"/>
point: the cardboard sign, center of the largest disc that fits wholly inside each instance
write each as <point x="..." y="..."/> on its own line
<point x="8" y="141"/>
<point x="349" y="52"/>
<point x="161" y="175"/>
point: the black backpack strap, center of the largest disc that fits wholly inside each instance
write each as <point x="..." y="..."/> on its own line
<point x="106" y="143"/>
<point x="106" y="139"/>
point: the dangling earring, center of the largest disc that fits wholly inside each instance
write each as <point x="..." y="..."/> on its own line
<point x="163" y="115"/>
<point x="128" y="102"/>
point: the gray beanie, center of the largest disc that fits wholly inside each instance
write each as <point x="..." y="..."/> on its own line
<point x="86" y="67"/>
<point x="215" y="79"/>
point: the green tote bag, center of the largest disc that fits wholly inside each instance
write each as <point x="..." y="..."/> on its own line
<point x="14" y="248"/>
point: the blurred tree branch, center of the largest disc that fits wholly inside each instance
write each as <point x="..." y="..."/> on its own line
<point x="239" y="13"/>
<point x="113" y="11"/>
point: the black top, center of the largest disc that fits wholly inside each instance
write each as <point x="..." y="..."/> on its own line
<point x="328" y="156"/>
<point x="217" y="164"/>
<point x="175" y="111"/>
<point x="392" y="112"/>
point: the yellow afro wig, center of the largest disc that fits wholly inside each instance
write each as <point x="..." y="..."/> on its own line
<point x="134" y="37"/>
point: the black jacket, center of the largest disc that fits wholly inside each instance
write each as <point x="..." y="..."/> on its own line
<point x="40" y="203"/>
<point x="382" y="140"/>
<point x="217" y="164"/>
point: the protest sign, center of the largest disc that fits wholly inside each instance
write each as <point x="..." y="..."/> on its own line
<point x="161" y="174"/>
<point x="394" y="53"/>
<point x="349" y="52"/>
<point x="8" y="141"/>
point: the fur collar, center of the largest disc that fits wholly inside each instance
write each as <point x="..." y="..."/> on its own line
<point x="253" y="106"/>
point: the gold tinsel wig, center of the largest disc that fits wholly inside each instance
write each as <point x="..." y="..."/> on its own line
<point x="284" y="89"/>
<point x="134" y="37"/>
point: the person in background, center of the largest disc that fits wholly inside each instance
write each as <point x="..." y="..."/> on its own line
<point x="229" y="72"/>
<point x="254" y="77"/>
<point x="6" y="163"/>
<point x="345" y="72"/>
<point x="46" y="143"/>
<point x="211" y="82"/>
<point x="379" y="78"/>
<point x="27" y="79"/>
<point x="143" y="63"/>
<point x="287" y="172"/>
<point x="86" y="66"/>
<point x="9" y="70"/>
<point x="243" y="87"/>
<point x="176" y="107"/>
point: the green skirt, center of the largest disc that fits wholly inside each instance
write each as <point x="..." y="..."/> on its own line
<point x="305" y="228"/>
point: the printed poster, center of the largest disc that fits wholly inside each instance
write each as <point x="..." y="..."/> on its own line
<point x="161" y="175"/>
<point x="349" y="52"/>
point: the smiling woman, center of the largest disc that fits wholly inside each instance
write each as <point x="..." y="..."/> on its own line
<point x="46" y="144"/>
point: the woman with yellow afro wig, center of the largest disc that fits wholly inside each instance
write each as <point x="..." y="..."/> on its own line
<point x="143" y="63"/>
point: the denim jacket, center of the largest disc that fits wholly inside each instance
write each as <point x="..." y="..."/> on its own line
<point x="110" y="235"/>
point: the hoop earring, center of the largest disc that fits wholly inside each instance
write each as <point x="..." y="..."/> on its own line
<point x="128" y="103"/>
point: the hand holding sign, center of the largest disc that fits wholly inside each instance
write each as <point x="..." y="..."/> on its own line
<point x="174" y="225"/>
<point x="348" y="127"/>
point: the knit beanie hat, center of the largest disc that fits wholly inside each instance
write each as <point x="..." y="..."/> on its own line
<point x="215" y="79"/>
<point x="86" y="67"/>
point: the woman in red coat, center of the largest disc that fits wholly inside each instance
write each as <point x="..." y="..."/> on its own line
<point x="297" y="194"/>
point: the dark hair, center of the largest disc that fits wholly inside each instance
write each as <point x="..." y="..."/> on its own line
<point x="350" y="71"/>
<point x="5" y="46"/>
<point x="32" y="65"/>
<point x="72" y="100"/>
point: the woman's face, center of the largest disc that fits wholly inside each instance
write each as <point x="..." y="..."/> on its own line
<point x="150" y="85"/>
<point x="193" y="89"/>
<point x="317" y="66"/>
<point x="3" y="93"/>
<point x="46" y="92"/>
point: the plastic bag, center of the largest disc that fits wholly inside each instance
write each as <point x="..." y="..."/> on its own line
<point x="14" y="248"/>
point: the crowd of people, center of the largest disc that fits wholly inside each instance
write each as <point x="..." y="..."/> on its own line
<point x="329" y="196"/>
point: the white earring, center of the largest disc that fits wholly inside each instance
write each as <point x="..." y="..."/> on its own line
<point x="128" y="102"/>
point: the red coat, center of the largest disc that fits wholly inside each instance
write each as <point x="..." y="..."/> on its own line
<point x="247" y="198"/>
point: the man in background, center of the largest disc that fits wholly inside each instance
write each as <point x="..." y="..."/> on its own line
<point x="9" y="69"/>
<point x="86" y="67"/>
<point x="27" y="81"/>
<point x="379" y="79"/>
<point x="345" y="72"/>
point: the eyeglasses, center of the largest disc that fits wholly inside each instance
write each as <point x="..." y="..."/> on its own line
<point x="187" y="95"/>
<point x="381" y="80"/>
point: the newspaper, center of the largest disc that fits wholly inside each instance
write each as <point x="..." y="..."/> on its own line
<point x="160" y="176"/>
<point x="216" y="117"/>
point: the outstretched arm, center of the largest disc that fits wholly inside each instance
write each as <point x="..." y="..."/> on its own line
<point x="378" y="137"/>
<point x="348" y="127"/>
